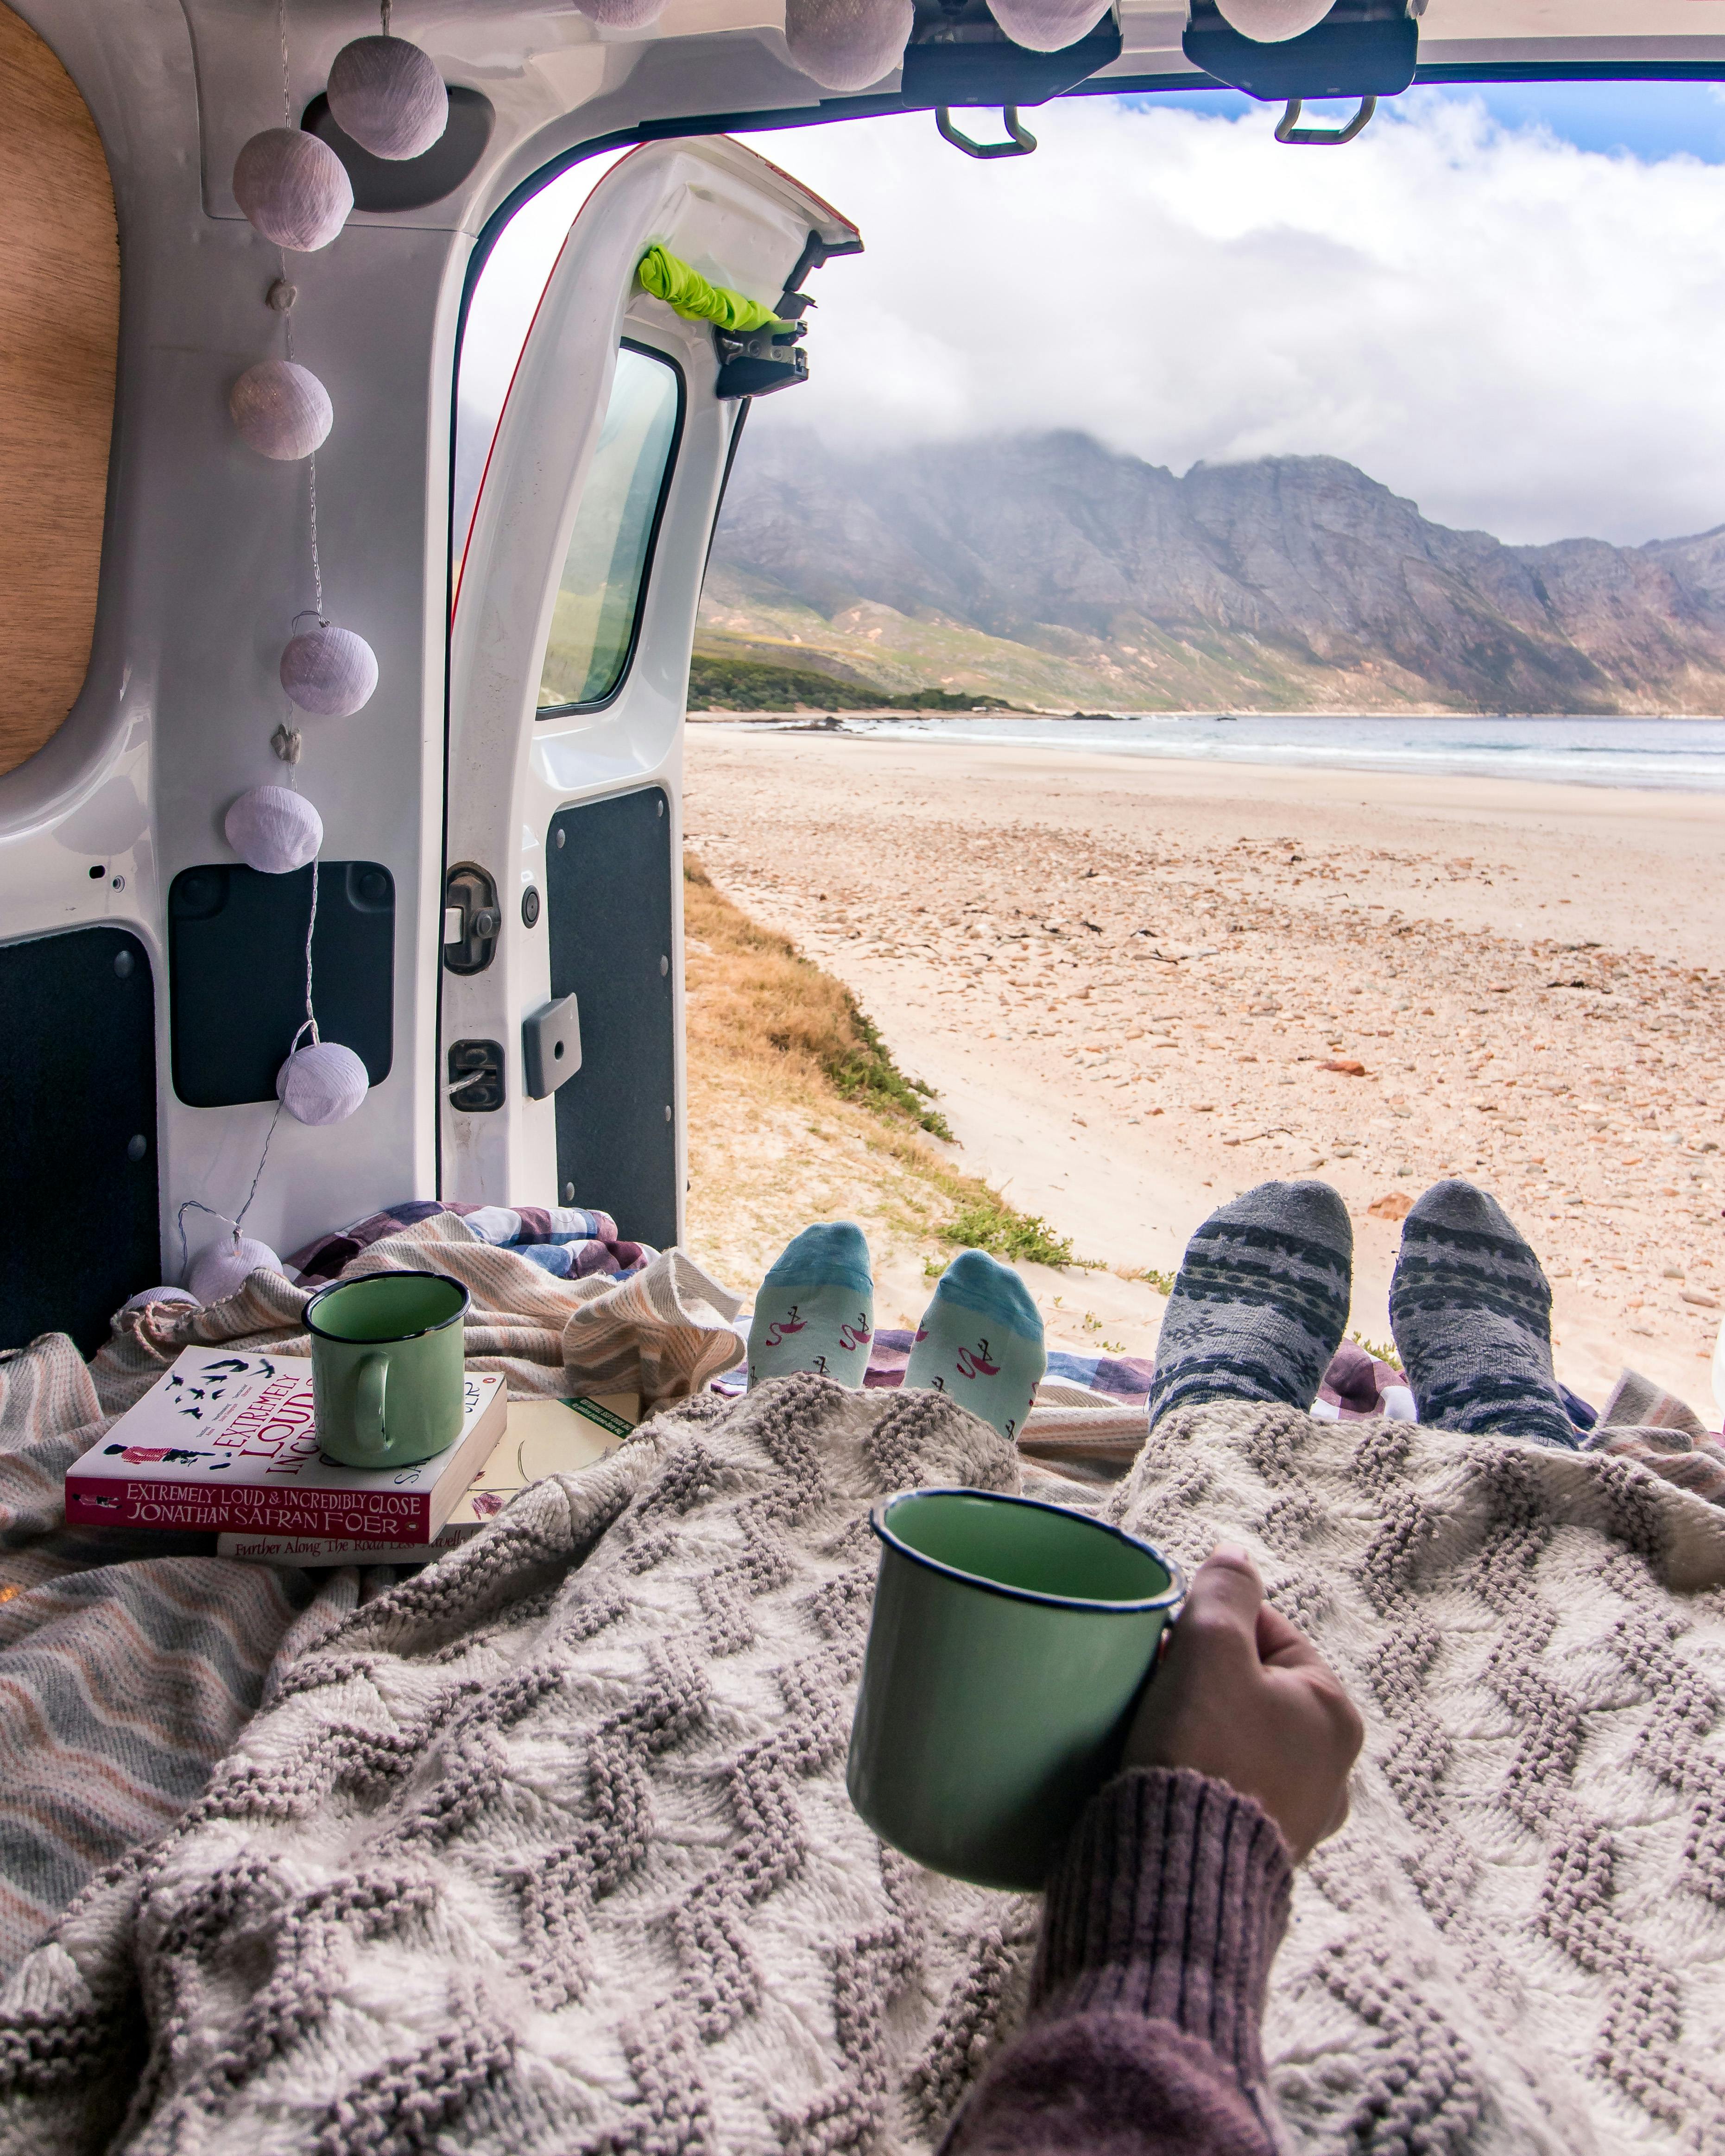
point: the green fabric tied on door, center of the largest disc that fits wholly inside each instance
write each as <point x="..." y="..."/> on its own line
<point x="687" y="292"/>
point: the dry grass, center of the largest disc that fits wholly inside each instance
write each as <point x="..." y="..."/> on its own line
<point x="766" y="1001"/>
<point x="797" y="1112"/>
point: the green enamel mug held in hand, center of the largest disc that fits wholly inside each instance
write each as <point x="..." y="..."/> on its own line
<point x="1009" y="1644"/>
<point x="386" y="1367"/>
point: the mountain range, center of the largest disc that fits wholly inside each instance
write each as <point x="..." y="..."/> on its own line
<point x="1048" y="570"/>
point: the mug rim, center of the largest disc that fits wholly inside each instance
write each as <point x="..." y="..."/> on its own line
<point x="404" y="1272"/>
<point x="1174" y="1593"/>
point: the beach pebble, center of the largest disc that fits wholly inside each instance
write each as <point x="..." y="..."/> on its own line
<point x="1346" y="1065"/>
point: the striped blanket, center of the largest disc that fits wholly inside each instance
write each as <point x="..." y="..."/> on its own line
<point x="127" y="1668"/>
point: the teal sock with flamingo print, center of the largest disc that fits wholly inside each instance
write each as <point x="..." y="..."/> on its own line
<point x="980" y="1343"/>
<point x="816" y="1307"/>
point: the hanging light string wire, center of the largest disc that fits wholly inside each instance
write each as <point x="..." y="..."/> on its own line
<point x="308" y="1024"/>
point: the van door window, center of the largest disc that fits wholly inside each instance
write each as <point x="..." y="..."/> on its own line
<point x="598" y="602"/>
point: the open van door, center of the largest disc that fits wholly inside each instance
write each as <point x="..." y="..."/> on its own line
<point x="561" y="1030"/>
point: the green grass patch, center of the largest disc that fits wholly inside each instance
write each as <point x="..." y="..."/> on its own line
<point x="1383" y="1350"/>
<point x="746" y="684"/>
<point x="717" y="683"/>
<point x="867" y="1073"/>
<point x="1151" y="1277"/>
<point x="987" y="1221"/>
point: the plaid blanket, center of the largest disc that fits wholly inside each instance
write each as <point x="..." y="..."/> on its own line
<point x="129" y="1665"/>
<point x="564" y="1240"/>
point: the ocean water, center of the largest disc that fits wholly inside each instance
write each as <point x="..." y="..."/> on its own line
<point x="1678" y="755"/>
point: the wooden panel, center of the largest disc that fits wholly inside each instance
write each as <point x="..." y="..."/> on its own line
<point x="60" y="330"/>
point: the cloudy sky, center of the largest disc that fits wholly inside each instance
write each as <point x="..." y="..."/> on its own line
<point x="1509" y="308"/>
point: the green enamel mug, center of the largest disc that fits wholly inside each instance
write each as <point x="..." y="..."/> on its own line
<point x="387" y="1371"/>
<point x="1009" y="1644"/>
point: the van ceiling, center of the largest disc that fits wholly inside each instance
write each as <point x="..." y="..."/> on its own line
<point x="557" y="81"/>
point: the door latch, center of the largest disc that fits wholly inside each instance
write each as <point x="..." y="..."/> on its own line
<point x="476" y="1085"/>
<point x="473" y="920"/>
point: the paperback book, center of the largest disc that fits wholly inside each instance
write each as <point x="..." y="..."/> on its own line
<point x="228" y="1441"/>
<point x="545" y="1437"/>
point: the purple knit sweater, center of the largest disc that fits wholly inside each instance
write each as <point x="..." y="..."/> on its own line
<point x="1142" y="2037"/>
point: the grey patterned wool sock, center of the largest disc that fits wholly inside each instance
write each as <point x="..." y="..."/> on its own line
<point x="1260" y="1302"/>
<point x="1471" y="1312"/>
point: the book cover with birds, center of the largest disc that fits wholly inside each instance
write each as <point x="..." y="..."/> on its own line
<point x="228" y="1440"/>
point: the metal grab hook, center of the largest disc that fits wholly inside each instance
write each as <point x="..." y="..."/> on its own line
<point x="1322" y="138"/>
<point x="1022" y="144"/>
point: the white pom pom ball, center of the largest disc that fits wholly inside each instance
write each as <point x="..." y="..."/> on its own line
<point x="1269" y="21"/>
<point x="1046" y="26"/>
<point x="275" y="830"/>
<point x="847" y="45"/>
<point x="621" y="14"/>
<point x="330" y="671"/>
<point x="388" y="96"/>
<point x="322" y="1083"/>
<point x="223" y="1267"/>
<point x="293" y="188"/>
<point x="145" y="1296"/>
<point x="282" y="410"/>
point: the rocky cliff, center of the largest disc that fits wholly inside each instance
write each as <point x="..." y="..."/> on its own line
<point x="1049" y="568"/>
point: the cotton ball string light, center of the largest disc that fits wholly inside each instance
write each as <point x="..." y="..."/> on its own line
<point x="223" y="1267"/>
<point x="847" y="45"/>
<point x="1269" y="22"/>
<point x="322" y="1083"/>
<point x="293" y="188"/>
<point x="330" y="672"/>
<point x="275" y="830"/>
<point x="281" y="409"/>
<point x="621" y="14"/>
<point x="1046" y="26"/>
<point x="145" y="1296"/>
<point x="388" y="95"/>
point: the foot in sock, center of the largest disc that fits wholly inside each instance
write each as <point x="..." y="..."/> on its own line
<point x="1260" y="1302"/>
<point x="1471" y="1312"/>
<point x="980" y="1343"/>
<point x="816" y="1307"/>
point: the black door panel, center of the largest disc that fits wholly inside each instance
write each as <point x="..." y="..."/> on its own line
<point x="77" y="1134"/>
<point x="236" y="955"/>
<point x="609" y="907"/>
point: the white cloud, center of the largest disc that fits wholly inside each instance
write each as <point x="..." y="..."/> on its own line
<point x="1520" y="335"/>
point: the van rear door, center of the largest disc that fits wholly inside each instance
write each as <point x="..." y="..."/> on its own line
<point x="569" y="663"/>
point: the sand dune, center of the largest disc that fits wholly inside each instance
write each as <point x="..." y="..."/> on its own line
<point x="1140" y="988"/>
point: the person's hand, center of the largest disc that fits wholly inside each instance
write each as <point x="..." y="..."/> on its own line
<point x="1244" y="1696"/>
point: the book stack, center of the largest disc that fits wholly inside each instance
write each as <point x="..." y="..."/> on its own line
<point x="225" y="1443"/>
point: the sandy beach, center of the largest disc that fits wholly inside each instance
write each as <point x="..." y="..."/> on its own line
<point x="1141" y="987"/>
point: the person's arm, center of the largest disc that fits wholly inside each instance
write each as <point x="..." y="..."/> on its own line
<point x="1167" y="1906"/>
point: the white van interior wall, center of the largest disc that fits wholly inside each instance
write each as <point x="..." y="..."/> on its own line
<point x="207" y="562"/>
<point x="60" y="332"/>
<point x="204" y="554"/>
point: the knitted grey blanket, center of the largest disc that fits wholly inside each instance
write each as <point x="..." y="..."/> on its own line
<point x="548" y="1848"/>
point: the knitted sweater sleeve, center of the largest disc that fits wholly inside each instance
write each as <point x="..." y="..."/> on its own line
<point x="1142" y="2033"/>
